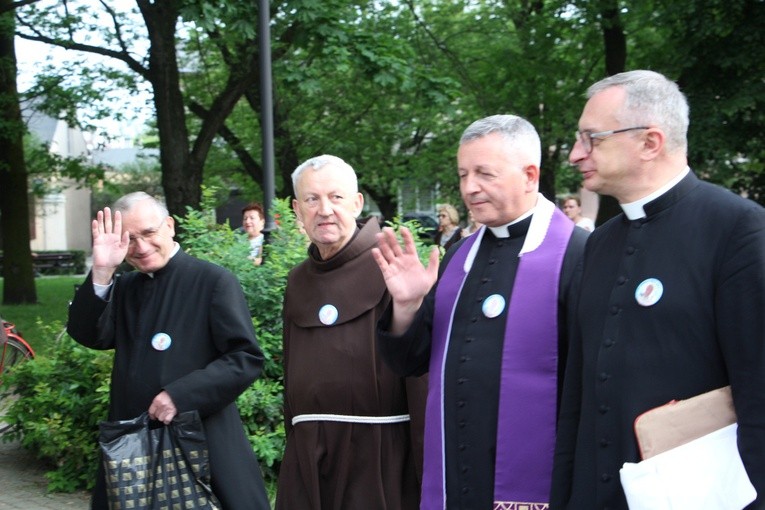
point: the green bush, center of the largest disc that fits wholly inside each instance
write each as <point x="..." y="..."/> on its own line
<point x="60" y="398"/>
<point x="261" y="404"/>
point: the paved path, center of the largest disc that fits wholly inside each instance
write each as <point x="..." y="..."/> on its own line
<point x="23" y="484"/>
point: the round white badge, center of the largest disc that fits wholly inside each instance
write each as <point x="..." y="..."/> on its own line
<point x="161" y="341"/>
<point x="328" y="315"/>
<point x="493" y="306"/>
<point x="649" y="292"/>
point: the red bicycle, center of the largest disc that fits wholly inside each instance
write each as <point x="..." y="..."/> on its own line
<point x="13" y="350"/>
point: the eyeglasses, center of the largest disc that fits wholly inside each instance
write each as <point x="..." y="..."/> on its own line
<point x="147" y="235"/>
<point x="585" y="137"/>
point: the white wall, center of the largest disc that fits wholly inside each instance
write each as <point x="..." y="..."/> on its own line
<point x="62" y="219"/>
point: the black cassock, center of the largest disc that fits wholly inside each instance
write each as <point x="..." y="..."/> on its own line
<point x="704" y="249"/>
<point x="211" y="359"/>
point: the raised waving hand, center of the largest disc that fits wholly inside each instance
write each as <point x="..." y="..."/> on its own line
<point x="408" y="281"/>
<point x="110" y="245"/>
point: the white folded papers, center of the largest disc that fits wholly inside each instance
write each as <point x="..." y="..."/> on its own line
<point x="704" y="474"/>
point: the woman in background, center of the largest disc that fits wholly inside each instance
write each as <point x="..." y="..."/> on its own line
<point x="253" y="221"/>
<point x="449" y="231"/>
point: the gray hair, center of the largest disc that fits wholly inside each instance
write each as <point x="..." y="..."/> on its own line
<point x="318" y="162"/>
<point x="651" y="100"/>
<point x="521" y="136"/>
<point x="126" y="202"/>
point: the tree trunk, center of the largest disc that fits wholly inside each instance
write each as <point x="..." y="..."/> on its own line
<point x="547" y="184"/>
<point x="388" y="207"/>
<point x="615" y="44"/>
<point x="286" y="156"/>
<point x="183" y="162"/>
<point x="19" y="283"/>
<point x="181" y="176"/>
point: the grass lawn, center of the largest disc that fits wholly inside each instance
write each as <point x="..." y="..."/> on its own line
<point x="53" y="296"/>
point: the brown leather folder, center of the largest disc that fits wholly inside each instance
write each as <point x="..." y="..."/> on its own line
<point x="681" y="421"/>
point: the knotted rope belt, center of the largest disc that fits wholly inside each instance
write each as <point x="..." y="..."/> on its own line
<point x="346" y="418"/>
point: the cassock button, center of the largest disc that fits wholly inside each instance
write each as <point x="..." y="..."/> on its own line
<point x="328" y="315"/>
<point x="605" y="477"/>
<point x="603" y="376"/>
<point x="608" y="342"/>
<point x="630" y="250"/>
<point x="603" y="409"/>
<point x="161" y="341"/>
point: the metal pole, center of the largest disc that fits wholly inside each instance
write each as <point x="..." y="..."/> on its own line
<point x="266" y="110"/>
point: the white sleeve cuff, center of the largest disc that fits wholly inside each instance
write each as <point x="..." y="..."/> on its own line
<point x="102" y="291"/>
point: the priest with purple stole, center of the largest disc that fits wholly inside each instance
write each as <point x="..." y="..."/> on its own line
<point x="489" y="326"/>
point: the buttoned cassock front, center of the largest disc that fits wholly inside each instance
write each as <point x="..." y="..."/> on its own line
<point x="706" y="248"/>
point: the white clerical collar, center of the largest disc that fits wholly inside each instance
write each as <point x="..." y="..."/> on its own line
<point x="176" y="247"/>
<point x="634" y="210"/>
<point x="502" y="232"/>
<point x="541" y="217"/>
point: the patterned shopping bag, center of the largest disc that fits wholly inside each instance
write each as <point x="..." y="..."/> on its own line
<point x="162" y="467"/>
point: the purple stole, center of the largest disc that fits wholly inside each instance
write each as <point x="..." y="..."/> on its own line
<point x="528" y="385"/>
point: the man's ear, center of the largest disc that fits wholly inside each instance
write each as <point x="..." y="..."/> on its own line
<point x="171" y="225"/>
<point x="532" y="177"/>
<point x="296" y="209"/>
<point x="654" y="140"/>
<point x="358" y="204"/>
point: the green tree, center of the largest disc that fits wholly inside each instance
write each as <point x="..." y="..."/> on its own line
<point x="349" y="80"/>
<point x="515" y="57"/>
<point x="389" y="86"/>
<point x="74" y="26"/>
<point x="720" y="60"/>
<point x="19" y="285"/>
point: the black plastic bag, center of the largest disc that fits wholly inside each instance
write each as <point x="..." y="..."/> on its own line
<point x="152" y="466"/>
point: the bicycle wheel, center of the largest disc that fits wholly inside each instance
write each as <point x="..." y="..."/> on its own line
<point x="12" y="352"/>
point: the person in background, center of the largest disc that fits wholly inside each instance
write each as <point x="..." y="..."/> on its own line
<point x="572" y="207"/>
<point x="491" y="332"/>
<point x="449" y="231"/>
<point x="253" y="221"/>
<point x="182" y="336"/>
<point x="672" y="293"/>
<point x="472" y="225"/>
<point x="354" y="428"/>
